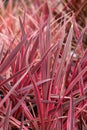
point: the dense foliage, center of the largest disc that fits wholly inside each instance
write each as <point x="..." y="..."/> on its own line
<point x="43" y="65"/>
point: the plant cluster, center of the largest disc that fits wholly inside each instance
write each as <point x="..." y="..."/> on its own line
<point x="43" y="66"/>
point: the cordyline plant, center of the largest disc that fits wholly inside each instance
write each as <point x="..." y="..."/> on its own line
<point x="43" y="68"/>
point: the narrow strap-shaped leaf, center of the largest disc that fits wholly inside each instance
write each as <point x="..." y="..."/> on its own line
<point x="78" y="77"/>
<point x="14" y="87"/>
<point x="38" y="102"/>
<point x="6" y="122"/>
<point x="4" y="66"/>
<point x="1" y="52"/>
<point x="70" y="115"/>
